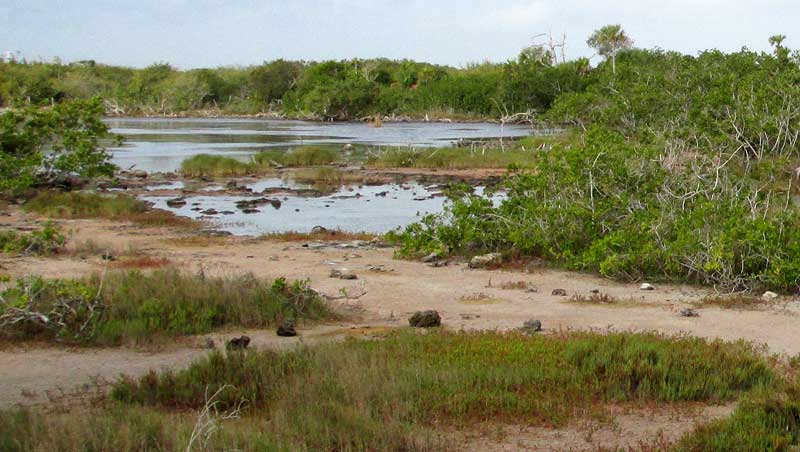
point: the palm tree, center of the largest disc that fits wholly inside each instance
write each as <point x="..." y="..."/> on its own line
<point x="608" y="41"/>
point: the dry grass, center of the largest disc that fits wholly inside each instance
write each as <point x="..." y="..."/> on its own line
<point x="141" y="262"/>
<point x="595" y="298"/>
<point x="327" y="236"/>
<point x="737" y="301"/>
<point x="198" y="241"/>
<point x="479" y="299"/>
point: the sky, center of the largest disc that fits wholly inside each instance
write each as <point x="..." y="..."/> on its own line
<point x="210" y="33"/>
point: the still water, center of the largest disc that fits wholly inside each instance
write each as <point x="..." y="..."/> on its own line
<point x="160" y="145"/>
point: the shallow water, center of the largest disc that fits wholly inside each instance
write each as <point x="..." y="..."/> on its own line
<point x="162" y="144"/>
<point x="354" y="208"/>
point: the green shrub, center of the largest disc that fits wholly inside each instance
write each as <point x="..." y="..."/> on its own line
<point x="47" y="241"/>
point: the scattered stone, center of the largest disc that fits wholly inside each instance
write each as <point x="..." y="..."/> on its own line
<point x="286" y="329"/>
<point x="531" y="326"/>
<point x="342" y="273"/>
<point x="485" y="260"/>
<point x="689" y="312"/>
<point x="238" y="343"/>
<point x="559" y="293"/>
<point x="210" y="212"/>
<point x="227" y="212"/>
<point x="382" y="193"/>
<point x="595" y="291"/>
<point x="647" y="286"/>
<point x="249" y="211"/>
<point x="176" y="202"/>
<point x="252" y="203"/>
<point x="437" y="264"/>
<point x="196" y="209"/>
<point x="425" y="319"/>
<point x="318" y="230"/>
<point x="433" y="257"/>
<point x="141" y="174"/>
<point x="769" y="295"/>
<point x="209" y="343"/>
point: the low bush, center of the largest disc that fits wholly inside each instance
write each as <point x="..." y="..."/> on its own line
<point x="47" y="241"/>
<point x="136" y="307"/>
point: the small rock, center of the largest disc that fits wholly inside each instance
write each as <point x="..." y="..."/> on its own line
<point x="176" y="202"/>
<point x="342" y="273"/>
<point x="689" y="312"/>
<point x="437" y="264"/>
<point x="595" y="291"/>
<point x="209" y="343"/>
<point x="559" y="293"/>
<point x="769" y="295"/>
<point x="210" y="212"/>
<point x="531" y="326"/>
<point x="647" y="286"/>
<point x="433" y="257"/>
<point x="249" y="211"/>
<point x="141" y="174"/>
<point x="286" y="329"/>
<point x="238" y="343"/>
<point x="485" y="260"/>
<point x="425" y="319"/>
<point x="319" y="230"/>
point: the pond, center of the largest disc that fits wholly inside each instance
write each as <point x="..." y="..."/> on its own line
<point x="160" y="145"/>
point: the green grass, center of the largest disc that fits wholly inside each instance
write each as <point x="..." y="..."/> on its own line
<point x="45" y="242"/>
<point x="118" y="207"/>
<point x="263" y="162"/>
<point x="216" y="165"/>
<point x="396" y="394"/>
<point x="147" y="308"/>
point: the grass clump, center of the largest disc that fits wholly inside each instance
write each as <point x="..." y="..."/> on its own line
<point x="301" y="156"/>
<point x="45" y="242"/>
<point x="736" y="301"/>
<point x="140" y="308"/>
<point x="215" y="165"/>
<point x="118" y="207"/>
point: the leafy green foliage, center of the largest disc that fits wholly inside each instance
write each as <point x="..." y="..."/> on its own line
<point x="42" y="146"/>
<point x="49" y="240"/>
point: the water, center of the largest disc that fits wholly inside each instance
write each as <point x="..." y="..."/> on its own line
<point x="160" y="145"/>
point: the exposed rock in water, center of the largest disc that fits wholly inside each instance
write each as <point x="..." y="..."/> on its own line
<point x="318" y="230"/>
<point x="559" y="293"/>
<point x="251" y="203"/>
<point x="485" y="260"/>
<point x="238" y="343"/>
<point x="425" y="319"/>
<point x="248" y="211"/>
<point x="286" y="329"/>
<point x="647" y="286"/>
<point x="141" y="174"/>
<point x="176" y="202"/>
<point x="210" y="212"/>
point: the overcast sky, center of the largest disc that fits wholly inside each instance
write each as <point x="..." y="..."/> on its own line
<point x="206" y="33"/>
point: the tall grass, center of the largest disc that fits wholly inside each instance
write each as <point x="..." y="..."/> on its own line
<point x="400" y="393"/>
<point x="301" y="156"/>
<point x="216" y="165"/>
<point x="118" y="207"/>
<point x="139" y="308"/>
<point x="44" y="242"/>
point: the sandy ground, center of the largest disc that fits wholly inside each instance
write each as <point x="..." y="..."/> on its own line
<point x="466" y="299"/>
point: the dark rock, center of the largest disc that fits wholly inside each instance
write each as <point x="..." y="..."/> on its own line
<point x="559" y="293"/>
<point x="286" y="329"/>
<point x="176" y="202"/>
<point x="251" y="203"/>
<point x="210" y="212"/>
<point x="319" y="230"/>
<point x="238" y="343"/>
<point x="531" y="326"/>
<point x="227" y="212"/>
<point x="689" y="312"/>
<point x="382" y="193"/>
<point x="248" y="211"/>
<point x="425" y="319"/>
